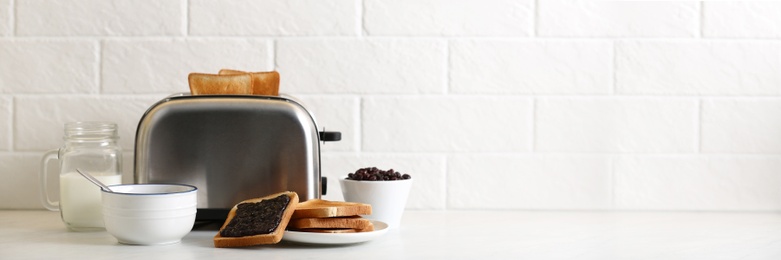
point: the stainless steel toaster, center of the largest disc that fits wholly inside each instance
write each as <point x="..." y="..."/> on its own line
<point x="231" y="147"/>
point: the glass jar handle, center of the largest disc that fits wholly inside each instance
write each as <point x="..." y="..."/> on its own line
<point x="47" y="203"/>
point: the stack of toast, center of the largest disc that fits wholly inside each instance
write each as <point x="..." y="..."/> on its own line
<point x="263" y="220"/>
<point x="325" y="216"/>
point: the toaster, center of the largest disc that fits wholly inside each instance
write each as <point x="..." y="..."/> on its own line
<point x="232" y="148"/>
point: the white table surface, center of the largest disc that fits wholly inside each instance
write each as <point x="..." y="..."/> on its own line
<point x="445" y="235"/>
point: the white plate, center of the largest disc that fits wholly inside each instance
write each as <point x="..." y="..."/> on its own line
<point x="380" y="228"/>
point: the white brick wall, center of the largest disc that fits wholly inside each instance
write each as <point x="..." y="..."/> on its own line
<point x="531" y="67"/>
<point x="5" y="123"/>
<point x="702" y="67"/>
<point x="620" y="125"/>
<point x="98" y="18"/>
<point x="741" y="125"/>
<point x="48" y="66"/>
<point x="449" y="18"/>
<point x="618" y="19"/>
<point x="273" y="18"/>
<point x="697" y="182"/>
<point x="499" y="104"/>
<point x="741" y="20"/>
<point x="531" y="181"/>
<point x="162" y="66"/>
<point x="362" y="66"/>
<point x="54" y="111"/>
<point x="20" y="190"/>
<point x="446" y="124"/>
<point x="6" y="25"/>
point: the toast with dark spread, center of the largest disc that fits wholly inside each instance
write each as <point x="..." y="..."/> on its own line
<point x="257" y="221"/>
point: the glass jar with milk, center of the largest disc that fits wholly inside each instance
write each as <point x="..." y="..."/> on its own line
<point x="91" y="147"/>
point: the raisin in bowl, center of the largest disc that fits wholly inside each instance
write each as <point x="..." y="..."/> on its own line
<point x="375" y="174"/>
<point x="385" y="191"/>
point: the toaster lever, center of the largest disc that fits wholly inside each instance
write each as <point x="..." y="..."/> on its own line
<point x="323" y="185"/>
<point x="327" y="136"/>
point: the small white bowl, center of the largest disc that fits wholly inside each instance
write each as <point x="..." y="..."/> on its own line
<point x="149" y="214"/>
<point x="388" y="198"/>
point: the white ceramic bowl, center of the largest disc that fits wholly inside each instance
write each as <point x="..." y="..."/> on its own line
<point x="149" y="214"/>
<point x="388" y="198"/>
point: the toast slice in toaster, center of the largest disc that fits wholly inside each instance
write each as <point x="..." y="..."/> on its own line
<point x="209" y="84"/>
<point x="264" y="83"/>
<point x="317" y="208"/>
<point x="257" y="221"/>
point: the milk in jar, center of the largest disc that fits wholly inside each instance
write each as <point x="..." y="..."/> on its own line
<point x="80" y="199"/>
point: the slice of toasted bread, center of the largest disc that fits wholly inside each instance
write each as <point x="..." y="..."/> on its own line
<point x="368" y="228"/>
<point x="240" y="221"/>
<point x="263" y="83"/>
<point x="210" y="84"/>
<point x="354" y="222"/>
<point x="327" y="230"/>
<point x="317" y="208"/>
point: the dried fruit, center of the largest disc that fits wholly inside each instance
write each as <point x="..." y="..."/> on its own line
<point x="374" y="174"/>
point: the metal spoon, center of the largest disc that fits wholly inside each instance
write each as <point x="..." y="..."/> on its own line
<point x="93" y="180"/>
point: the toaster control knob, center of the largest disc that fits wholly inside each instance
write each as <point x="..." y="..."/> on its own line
<point x="330" y="136"/>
